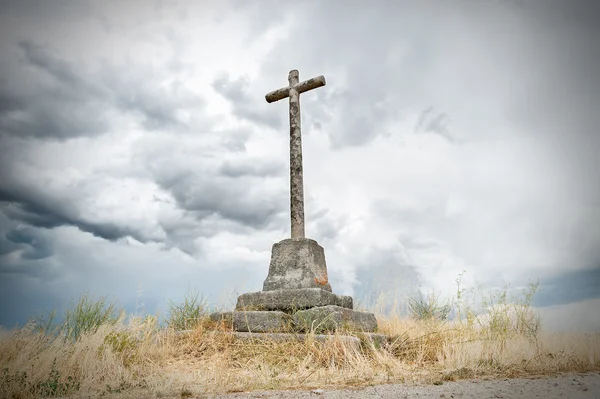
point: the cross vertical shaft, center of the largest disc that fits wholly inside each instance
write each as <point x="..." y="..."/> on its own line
<point x="296" y="175"/>
<point x="296" y="172"/>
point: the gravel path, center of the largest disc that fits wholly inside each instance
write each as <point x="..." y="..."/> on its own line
<point x="569" y="386"/>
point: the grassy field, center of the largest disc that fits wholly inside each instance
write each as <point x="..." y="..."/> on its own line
<point x="96" y="351"/>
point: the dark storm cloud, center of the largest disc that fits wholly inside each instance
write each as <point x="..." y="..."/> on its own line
<point x="22" y="299"/>
<point x="35" y="246"/>
<point x="59" y="103"/>
<point x="21" y="199"/>
<point x="568" y="287"/>
<point x="37" y="209"/>
<point x="48" y="97"/>
<point x="63" y="10"/>
<point x="22" y="248"/>
<point x="245" y="105"/>
<point x="9" y="103"/>
<point x="233" y="191"/>
<point x="241" y="199"/>
<point x="77" y="87"/>
<point x="23" y="239"/>
<point x="582" y="13"/>
<point x="247" y="190"/>
<point x="32" y="285"/>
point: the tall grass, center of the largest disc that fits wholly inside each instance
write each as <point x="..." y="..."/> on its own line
<point x="87" y="316"/>
<point x="428" y="307"/>
<point x="98" y="353"/>
<point x="186" y="315"/>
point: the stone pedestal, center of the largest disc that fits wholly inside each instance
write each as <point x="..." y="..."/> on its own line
<point x="296" y="297"/>
<point x="297" y="263"/>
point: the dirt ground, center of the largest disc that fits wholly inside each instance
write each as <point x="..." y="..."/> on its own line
<point x="572" y="386"/>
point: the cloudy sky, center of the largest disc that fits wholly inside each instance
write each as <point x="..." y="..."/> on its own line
<point x="139" y="158"/>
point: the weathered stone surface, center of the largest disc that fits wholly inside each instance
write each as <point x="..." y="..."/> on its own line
<point x="376" y="339"/>
<point x="291" y="300"/>
<point x="297" y="264"/>
<point x="301" y="87"/>
<point x="293" y="91"/>
<point x="296" y="174"/>
<point x="334" y="318"/>
<point x="226" y="317"/>
<point x="255" y="321"/>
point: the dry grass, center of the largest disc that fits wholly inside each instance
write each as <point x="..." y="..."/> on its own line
<point x="135" y="357"/>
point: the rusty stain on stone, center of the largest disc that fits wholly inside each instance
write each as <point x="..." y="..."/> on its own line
<point x="293" y="91"/>
<point x="321" y="281"/>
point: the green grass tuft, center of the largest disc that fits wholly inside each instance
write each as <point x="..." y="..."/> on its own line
<point x="187" y="315"/>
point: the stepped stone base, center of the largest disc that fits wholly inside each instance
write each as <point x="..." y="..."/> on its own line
<point x="291" y="300"/>
<point x="296" y="298"/>
<point x="334" y="318"/>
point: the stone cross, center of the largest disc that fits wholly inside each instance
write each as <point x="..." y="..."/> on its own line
<point x="296" y="180"/>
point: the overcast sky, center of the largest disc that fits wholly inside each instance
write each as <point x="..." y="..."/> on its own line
<point x="139" y="157"/>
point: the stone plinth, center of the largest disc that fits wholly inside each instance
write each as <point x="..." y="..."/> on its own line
<point x="295" y="264"/>
<point x="291" y="300"/>
<point x="334" y="318"/>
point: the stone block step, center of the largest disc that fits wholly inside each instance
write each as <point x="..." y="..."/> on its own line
<point x="375" y="340"/>
<point x="290" y="300"/>
<point x="323" y="319"/>
<point x="334" y="318"/>
<point x="255" y="321"/>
